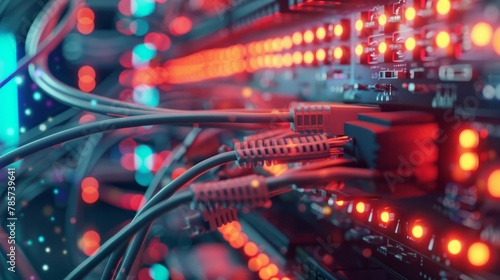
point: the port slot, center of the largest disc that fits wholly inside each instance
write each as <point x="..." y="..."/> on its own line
<point x="455" y="73"/>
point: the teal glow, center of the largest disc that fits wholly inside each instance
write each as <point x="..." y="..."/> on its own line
<point x="142" y="8"/>
<point x="146" y="95"/>
<point x="143" y="179"/>
<point x="159" y="272"/>
<point x="93" y="102"/>
<point x="41" y="239"/>
<point x="29" y="242"/>
<point x="142" y="54"/>
<point x="139" y="27"/>
<point x="142" y="153"/>
<point x="18" y="80"/>
<point x="37" y="96"/>
<point x="27" y="112"/>
<point x="9" y="125"/>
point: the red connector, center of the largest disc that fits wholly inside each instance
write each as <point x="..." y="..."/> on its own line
<point x="289" y="149"/>
<point x="242" y="192"/>
<point x="210" y="219"/>
<point x="325" y="118"/>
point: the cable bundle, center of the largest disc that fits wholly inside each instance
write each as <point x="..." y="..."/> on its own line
<point x="242" y="192"/>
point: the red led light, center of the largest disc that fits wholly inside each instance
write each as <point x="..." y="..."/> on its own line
<point x="180" y="25"/>
<point x="90" y="242"/>
<point x="159" y="40"/>
<point x="85" y="20"/>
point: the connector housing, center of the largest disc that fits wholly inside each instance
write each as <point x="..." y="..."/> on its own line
<point x="326" y="118"/>
<point x="401" y="144"/>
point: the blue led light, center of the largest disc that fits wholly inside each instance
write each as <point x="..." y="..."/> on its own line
<point x="143" y="178"/>
<point x="146" y="95"/>
<point x="159" y="272"/>
<point x="142" y="8"/>
<point x="142" y="54"/>
<point x="37" y="96"/>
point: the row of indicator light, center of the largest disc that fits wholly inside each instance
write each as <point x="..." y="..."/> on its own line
<point x="224" y="62"/>
<point x="481" y="35"/>
<point x="258" y="262"/>
<point x="478" y="253"/>
<point x="442" y="7"/>
<point x="202" y="70"/>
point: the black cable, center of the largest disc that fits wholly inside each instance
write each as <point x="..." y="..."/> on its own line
<point x="125" y="233"/>
<point x="106" y="125"/>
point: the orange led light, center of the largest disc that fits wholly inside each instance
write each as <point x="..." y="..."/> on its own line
<point x="410" y="44"/>
<point x="443" y="7"/>
<point x="360" y="207"/>
<point x="478" y="254"/>
<point x="417" y="231"/>
<point x="358" y="50"/>
<point x="308" y="57"/>
<point x="382" y="20"/>
<point x="410" y="13"/>
<point x="297" y="57"/>
<point x="493" y="183"/>
<point x="384" y="217"/>
<point x="496" y="41"/>
<point x="320" y="55"/>
<point x="339" y="202"/>
<point x="277" y="45"/>
<point x="338" y="30"/>
<point x="481" y="34"/>
<point x="263" y="259"/>
<point x="359" y="25"/>
<point x="338" y="53"/>
<point x="297" y="38"/>
<point x="286" y="42"/>
<point x="382" y="48"/>
<point x="320" y="33"/>
<point x="308" y="36"/>
<point x="268" y="45"/>
<point x="250" y="249"/>
<point x="468" y="138"/>
<point x="454" y="247"/>
<point x="287" y="62"/>
<point x="469" y="161"/>
<point x="443" y="39"/>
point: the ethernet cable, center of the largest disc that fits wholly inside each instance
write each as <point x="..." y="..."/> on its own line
<point x="254" y="152"/>
<point x="156" y="119"/>
<point x="274" y="184"/>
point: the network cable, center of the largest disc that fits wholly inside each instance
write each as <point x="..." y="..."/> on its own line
<point x="112" y="124"/>
<point x="273" y="183"/>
